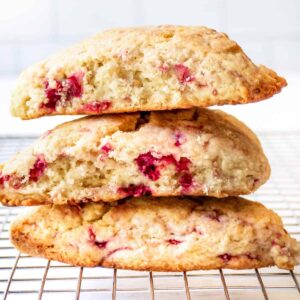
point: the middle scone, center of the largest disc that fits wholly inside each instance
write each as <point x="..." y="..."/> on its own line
<point x="107" y="158"/>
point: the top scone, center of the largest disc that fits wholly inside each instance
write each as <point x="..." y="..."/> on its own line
<point x="140" y="69"/>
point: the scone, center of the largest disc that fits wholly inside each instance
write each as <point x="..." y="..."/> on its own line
<point x="167" y="234"/>
<point x="143" y="69"/>
<point x="107" y="158"/>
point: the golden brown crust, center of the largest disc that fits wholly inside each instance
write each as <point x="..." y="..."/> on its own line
<point x="106" y="158"/>
<point x="143" y="69"/>
<point x="167" y="234"/>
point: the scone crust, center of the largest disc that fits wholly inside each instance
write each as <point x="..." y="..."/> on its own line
<point x="106" y="158"/>
<point x="167" y="234"/>
<point x="143" y="69"/>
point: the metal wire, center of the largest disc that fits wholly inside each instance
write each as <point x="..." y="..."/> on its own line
<point x="151" y="286"/>
<point x="295" y="280"/>
<point x="44" y="280"/>
<point x="262" y="285"/>
<point x="224" y="285"/>
<point x="32" y="278"/>
<point x="114" y="289"/>
<point x="186" y="284"/>
<point x="11" y="276"/>
<point x="79" y="284"/>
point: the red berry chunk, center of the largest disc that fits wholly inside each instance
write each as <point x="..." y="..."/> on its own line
<point x="150" y="166"/>
<point x="48" y="132"/>
<point x="164" y="68"/>
<point x="225" y="257"/>
<point x="215" y="215"/>
<point x="96" y="106"/>
<point x="183" y="164"/>
<point x="38" y="168"/>
<point x="167" y="160"/>
<point x="179" y="139"/>
<point x="64" y="90"/>
<point x="53" y="95"/>
<point x="117" y="250"/>
<point x="251" y="256"/>
<point x="197" y="230"/>
<point x="183" y="74"/>
<point x="174" y="242"/>
<point x="135" y="190"/>
<point x="3" y="178"/>
<point x="73" y="87"/>
<point x="92" y="234"/>
<point x="147" y="164"/>
<point x="92" y="237"/>
<point x="16" y="182"/>
<point x="186" y="180"/>
<point x="13" y="180"/>
<point x="101" y="244"/>
<point x="106" y="148"/>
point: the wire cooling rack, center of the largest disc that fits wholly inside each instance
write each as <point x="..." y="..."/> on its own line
<point x="24" y="277"/>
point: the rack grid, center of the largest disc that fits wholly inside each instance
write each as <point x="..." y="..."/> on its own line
<point x="24" y="277"/>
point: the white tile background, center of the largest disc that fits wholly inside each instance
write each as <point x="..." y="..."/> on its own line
<point x="268" y="30"/>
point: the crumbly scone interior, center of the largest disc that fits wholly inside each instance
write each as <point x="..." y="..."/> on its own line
<point x="197" y="152"/>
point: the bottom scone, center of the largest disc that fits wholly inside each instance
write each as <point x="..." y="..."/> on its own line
<point x="159" y="234"/>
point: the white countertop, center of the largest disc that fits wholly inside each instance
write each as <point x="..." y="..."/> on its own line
<point x="281" y="113"/>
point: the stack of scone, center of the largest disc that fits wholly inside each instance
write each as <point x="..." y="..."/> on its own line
<point x="151" y="182"/>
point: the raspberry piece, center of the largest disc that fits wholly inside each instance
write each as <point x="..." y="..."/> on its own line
<point x="53" y="95"/>
<point x="149" y="165"/>
<point x="65" y="89"/>
<point x="38" y="168"/>
<point x="257" y="90"/>
<point x="254" y="183"/>
<point x="92" y="239"/>
<point x="92" y="235"/>
<point x="3" y="178"/>
<point x="251" y="256"/>
<point x="135" y="190"/>
<point x="168" y="159"/>
<point x="45" y="134"/>
<point x="201" y="85"/>
<point x="106" y="148"/>
<point x="96" y="106"/>
<point x="197" y="230"/>
<point x="186" y="180"/>
<point x="215" y="92"/>
<point x="174" y="242"/>
<point x="179" y="139"/>
<point x="183" y="74"/>
<point x="225" y="257"/>
<point x="123" y="54"/>
<point x="73" y="86"/>
<point x="16" y="182"/>
<point x="146" y="164"/>
<point x="117" y="250"/>
<point x="215" y="215"/>
<point x="101" y="245"/>
<point x="164" y="68"/>
<point x="183" y="164"/>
